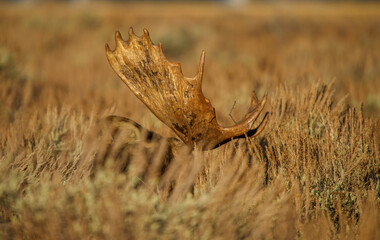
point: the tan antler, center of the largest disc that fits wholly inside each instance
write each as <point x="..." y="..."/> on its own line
<point x="174" y="99"/>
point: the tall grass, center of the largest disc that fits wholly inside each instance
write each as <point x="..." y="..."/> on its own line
<point x="312" y="174"/>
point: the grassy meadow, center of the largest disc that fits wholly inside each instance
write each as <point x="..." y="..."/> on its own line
<point x="312" y="174"/>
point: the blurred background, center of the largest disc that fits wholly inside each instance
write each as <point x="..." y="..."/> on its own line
<point x="52" y="52"/>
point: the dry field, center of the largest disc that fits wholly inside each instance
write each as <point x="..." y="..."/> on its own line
<point x="312" y="174"/>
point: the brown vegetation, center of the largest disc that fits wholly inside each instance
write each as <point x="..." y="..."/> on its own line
<point x="312" y="174"/>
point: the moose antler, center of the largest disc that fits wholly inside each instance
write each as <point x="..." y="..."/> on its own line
<point x="176" y="100"/>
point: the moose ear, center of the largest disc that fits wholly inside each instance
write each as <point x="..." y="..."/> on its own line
<point x="127" y="130"/>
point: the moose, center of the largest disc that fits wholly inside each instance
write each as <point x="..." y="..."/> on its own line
<point x="174" y="99"/>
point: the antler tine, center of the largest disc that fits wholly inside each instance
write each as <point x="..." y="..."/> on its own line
<point x="176" y="100"/>
<point x="118" y="39"/>
<point x="261" y="126"/>
<point x="254" y="100"/>
<point x="255" y="106"/>
<point x="146" y="37"/>
<point x="199" y="76"/>
<point x="131" y="33"/>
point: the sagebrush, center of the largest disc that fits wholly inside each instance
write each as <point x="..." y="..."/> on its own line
<point x="312" y="174"/>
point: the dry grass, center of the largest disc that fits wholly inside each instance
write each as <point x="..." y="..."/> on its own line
<point x="312" y="174"/>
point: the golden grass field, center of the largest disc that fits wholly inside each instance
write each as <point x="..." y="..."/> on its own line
<point x="312" y="174"/>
